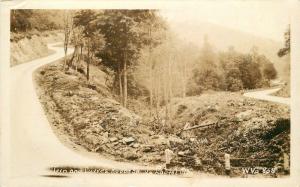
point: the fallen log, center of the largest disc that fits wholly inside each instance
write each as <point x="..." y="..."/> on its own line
<point x="196" y="126"/>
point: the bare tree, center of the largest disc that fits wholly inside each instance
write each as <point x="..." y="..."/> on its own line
<point x="68" y="25"/>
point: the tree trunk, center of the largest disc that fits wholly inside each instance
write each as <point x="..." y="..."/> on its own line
<point x="125" y="81"/>
<point x="67" y="31"/>
<point x="66" y="42"/>
<point x="157" y="93"/>
<point x="120" y="83"/>
<point x="65" y="50"/>
<point x="169" y="89"/>
<point x="80" y="57"/>
<point x="165" y="90"/>
<point x="88" y="62"/>
<point x="77" y="59"/>
<point x="150" y="72"/>
<point x="151" y="89"/>
<point x="184" y="78"/>
<point x="74" y="55"/>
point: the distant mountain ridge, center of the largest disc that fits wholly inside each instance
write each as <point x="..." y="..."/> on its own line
<point x="223" y="37"/>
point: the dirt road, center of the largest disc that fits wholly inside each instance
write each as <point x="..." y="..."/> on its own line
<point x="34" y="147"/>
<point x="265" y="95"/>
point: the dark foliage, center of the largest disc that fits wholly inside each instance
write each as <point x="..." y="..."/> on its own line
<point x="23" y="20"/>
<point x="287" y="47"/>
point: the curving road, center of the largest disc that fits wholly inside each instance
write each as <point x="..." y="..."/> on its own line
<point x="266" y="96"/>
<point x="34" y="147"/>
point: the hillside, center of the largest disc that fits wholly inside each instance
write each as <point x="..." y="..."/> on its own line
<point x="222" y="38"/>
<point x="30" y="32"/>
<point x="29" y="46"/>
<point x="35" y="19"/>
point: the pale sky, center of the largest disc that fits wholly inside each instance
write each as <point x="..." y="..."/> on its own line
<point x="262" y="18"/>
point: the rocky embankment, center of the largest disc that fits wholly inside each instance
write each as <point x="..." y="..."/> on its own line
<point x="257" y="132"/>
<point x="285" y="91"/>
<point x="87" y="115"/>
<point x="25" y="48"/>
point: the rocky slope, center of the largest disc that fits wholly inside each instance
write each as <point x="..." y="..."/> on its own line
<point x="257" y="132"/>
<point x="26" y="48"/>
<point x="87" y="115"/>
<point x="285" y="91"/>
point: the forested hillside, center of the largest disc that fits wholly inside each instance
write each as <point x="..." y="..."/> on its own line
<point x="223" y="38"/>
<point x="151" y="52"/>
<point x="31" y="31"/>
<point x="23" y="20"/>
<point x="145" y="59"/>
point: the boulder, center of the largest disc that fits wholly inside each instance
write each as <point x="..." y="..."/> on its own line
<point x="213" y="108"/>
<point x="244" y="116"/>
<point x="192" y="139"/>
<point x="130" y="156"/>
<point x="128" y="140"/>
<point x="105" y="135"/>
<point x="184" y="153"/>
<point x="91" y="139"/>
<point x="175" y="140"/>
<point x="147" y="148"/>
<point x="136" y="145"/>
<point x="113" y="139"/>
<point x="181" y="153"/>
